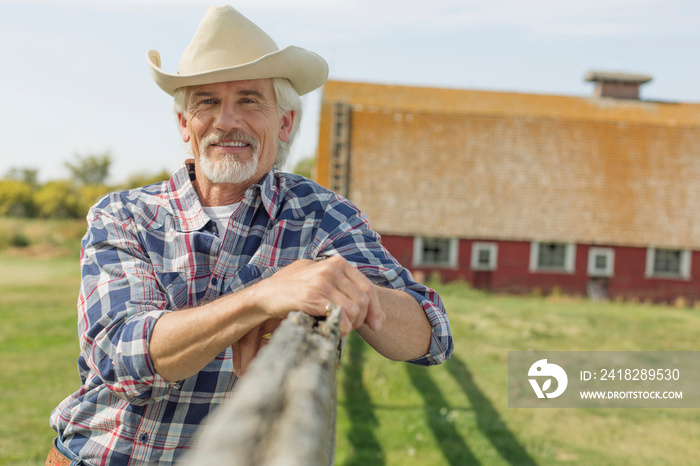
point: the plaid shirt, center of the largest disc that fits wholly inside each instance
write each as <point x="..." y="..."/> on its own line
<point x="153" y="250"/>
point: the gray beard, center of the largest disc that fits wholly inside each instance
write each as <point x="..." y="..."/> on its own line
<point x="228" y="169"/>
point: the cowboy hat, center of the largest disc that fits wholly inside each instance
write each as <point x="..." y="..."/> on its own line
<point x="227" y="46"/>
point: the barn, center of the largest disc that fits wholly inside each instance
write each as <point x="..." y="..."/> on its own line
<point x="516" y="192"/>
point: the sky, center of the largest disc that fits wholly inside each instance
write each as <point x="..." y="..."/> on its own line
<point x="76" y="82"/>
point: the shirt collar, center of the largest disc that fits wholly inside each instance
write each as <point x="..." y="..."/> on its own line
<point x="269" y="192"/>
<point x="188" y="212"/>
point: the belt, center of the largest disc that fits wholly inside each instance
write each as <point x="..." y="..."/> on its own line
<point x="56" y="458"/>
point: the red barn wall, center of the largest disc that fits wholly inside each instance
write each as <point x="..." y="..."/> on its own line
<point x="513" y="275"/>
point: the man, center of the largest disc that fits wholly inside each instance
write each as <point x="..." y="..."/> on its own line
<point x="182" y="281"/>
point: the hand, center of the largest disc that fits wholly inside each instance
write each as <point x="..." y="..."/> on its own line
<point x="245" y="349"/>
<point x="309" y="286"/>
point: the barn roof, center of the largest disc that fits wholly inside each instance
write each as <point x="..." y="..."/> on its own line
<point x="513" y="166"/>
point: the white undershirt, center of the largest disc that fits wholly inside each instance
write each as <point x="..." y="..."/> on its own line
<point x="221" y="215"/>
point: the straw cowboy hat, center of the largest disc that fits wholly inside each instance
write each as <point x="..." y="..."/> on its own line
<point x="227" y="46"/>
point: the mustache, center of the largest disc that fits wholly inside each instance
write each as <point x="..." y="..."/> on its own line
<point x="234" y="135"/>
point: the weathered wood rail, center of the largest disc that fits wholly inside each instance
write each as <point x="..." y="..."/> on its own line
<point x="283" y="409"/>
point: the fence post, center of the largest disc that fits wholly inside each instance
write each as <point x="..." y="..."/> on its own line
<point x="282" y="412"/>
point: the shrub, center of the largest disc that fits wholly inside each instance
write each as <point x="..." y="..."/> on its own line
<point x="16" y="199"/>
<point x="58" y="199"/>
<point x="20" y="240"/>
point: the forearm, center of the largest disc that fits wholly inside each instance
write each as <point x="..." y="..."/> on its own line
<point x="184" y="342"/>
<point x="406" y="332"/>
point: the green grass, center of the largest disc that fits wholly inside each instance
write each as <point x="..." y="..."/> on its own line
<point x="390" y="413"/>
<point x="38" y="352"/>
<point x="457" y="413"/>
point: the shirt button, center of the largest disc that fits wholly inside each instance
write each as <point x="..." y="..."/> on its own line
<point x="144" y="438"/>
<point x="214" y="281"/>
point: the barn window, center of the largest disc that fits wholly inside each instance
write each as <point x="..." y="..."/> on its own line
<point x="669" y="263"/>
<point x="484" y="256"/>
<point x="552" y="257"/>
<point x="431" y="251"/>
<point x="601" y="262"/>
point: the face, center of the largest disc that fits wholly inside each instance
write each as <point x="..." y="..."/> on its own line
<point x="233" y="129"/>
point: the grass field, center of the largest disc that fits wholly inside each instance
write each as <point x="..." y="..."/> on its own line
<point x="388" y="413"/>
<point x="457" y="414"/>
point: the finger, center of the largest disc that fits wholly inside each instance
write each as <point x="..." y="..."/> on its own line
<point x="236" y="358"/>
<point x="248" y="347"/>
<point x="270" y="325"/>
<point x="345" y="325"/>
<point x="353" y="317"/>
<point x="371" y="313"/>
<point x="353" y="303"/>
<point x="330" y="283"/>
<point x="246" y="356"/>
<point x="267" y="329"/>
<point x="375" y="314"/>
<point x="353" y="291"/>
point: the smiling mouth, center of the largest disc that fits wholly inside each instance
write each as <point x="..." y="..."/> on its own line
<point x="231" y="144"/>
<point x="230" y="140"/>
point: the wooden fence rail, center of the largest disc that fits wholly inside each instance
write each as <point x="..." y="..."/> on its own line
<point x="282" y="412"/>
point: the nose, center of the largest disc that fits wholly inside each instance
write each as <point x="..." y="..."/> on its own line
<point x="227" y="118"/>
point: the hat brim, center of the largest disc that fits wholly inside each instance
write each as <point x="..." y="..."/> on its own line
<point x="305" y="70"/>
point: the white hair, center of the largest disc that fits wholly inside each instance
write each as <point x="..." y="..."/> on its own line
<point x="288" y="100"/>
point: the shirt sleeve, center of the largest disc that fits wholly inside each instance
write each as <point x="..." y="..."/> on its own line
<point x="119" y="304"/>
<point x="348" y="234"/>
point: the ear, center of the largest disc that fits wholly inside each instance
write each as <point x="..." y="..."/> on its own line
<point x="184" y="127"/>
<point x="286" y="123"/>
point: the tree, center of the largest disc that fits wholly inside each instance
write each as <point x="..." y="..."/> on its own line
<point x="143" y="179"/>
<point x="90" y="169"/>
<point x="29" y="176"/>
<point x="305" y="167"/>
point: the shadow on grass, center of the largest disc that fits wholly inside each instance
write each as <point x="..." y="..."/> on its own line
<point x="453" y="447"/>
<point x="366" y="450"/>
<point x="488" y="419"/>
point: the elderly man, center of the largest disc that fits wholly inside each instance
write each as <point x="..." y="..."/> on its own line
<point x="182" y="281"/>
